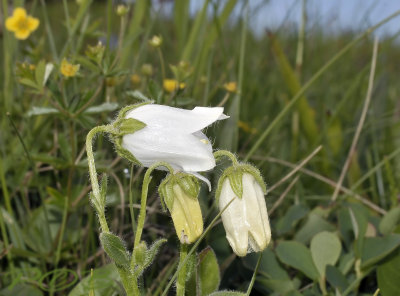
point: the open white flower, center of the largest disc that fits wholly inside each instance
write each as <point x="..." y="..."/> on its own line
<point x="172" y="135"/>
<point x="246" y="219"/>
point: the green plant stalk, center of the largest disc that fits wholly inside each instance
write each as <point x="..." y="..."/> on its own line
<point x="160" y="54"/>
<point x="5" y="237"/>
<point x="93" y="173"/>
<point x="253" y="278"/>
<point x="7" y="63"/>
<point x="180" y="282"/>
<point x="219" y="153"/>
<point x="311" y="81"/>
<point x="131" y="199"/>
<point x="196" y="244"/>
<point x="48" y="30"/>
<point x="128" y="279"/>
<point x="145" y="188"/>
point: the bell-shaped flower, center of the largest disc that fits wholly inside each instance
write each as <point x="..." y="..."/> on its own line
<point x="179" y="192"/>
<point x="168" y="134"/>
<point x="245" y="219"/>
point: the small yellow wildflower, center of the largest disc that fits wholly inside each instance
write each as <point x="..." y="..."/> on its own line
<point x="155" y="41"/>
<point x="171" y="85"/>
<point x="32" y="67"/>
<point x="135" y="79"/>
<point x="21" y="24"/>
<point x="68" y="69"/>
<point x="230" y="86"/>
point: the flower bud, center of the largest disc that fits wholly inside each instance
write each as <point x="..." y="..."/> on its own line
<point x="147" y="69"/>
<point x="231" y="87"/>
<point x="155" y="41"/>
<point x="171" y="85"/>
<point x="122" y="10"/>
<point x="179" y="193"/>
<point x="245" y="219"/>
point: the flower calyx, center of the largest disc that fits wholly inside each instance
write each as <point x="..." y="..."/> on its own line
<point x="123" y="126"/>
<point x="179" y="192"/>
<point x="235" y="176"/>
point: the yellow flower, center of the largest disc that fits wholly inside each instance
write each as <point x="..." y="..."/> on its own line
<point x="67" y="69"/>
<point x="135" y="79"/>
<point x="171" y="85"/>
<point x="21" y="24"/>
<point x="230" y="86"/>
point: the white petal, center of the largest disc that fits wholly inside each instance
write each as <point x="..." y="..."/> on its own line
<point x="183" y="151"/>
<point x="189" y="121"/>
<point x="256" y="213"/>
<point x="233" y="219"/>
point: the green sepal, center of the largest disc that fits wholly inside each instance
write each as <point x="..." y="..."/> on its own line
<point x="256" y="174"/>
<point x="121" y="151"/>
<point x="123" y="126"/>
<point x="115" y="248"/>
<point x="166" y="193"/>
<point x="235" y="176"/>
<point x="129" y="126"/>
<point x="236" y="181"/>
<point x="189" y="184"/>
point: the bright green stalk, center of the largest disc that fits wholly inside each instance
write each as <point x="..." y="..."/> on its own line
<point x="180" y="283"/>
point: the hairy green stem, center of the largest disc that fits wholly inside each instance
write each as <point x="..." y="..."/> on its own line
<point x="230" y="155"/>
<point x="99" y="204"/>
<point x="180" y="282"/>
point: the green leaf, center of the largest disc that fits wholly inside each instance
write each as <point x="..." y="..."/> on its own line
<point x="390" y="221"/>
<point x="291" y="218"/>
<point x="105" y="107"/>
<point x="325" y="249"/>
<point x="314" y="224"/>
<point x="41" y="111"/>
<point x="104" y="282"/>
<point x="279" y="286"/>
<point x="388" y="275"/>
<point x="29" y="82"/>
<point x="115" y="249"/>
<point x="21" y="290"/>
<point x="376" y="248"/>
<point x="335" y="278"/>
<point x="39" y="74"/>
<point x="269" y="265"/>
<point x="152" y="252"/>
<point x="208" y="272"/>
<point x="297" y="256"/>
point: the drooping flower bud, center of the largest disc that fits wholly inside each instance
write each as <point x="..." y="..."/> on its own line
<point x="246" y="219"/>
<point x="179" y="194"/>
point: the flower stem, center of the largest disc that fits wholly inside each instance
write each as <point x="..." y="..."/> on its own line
<point x="218" y="154"/>
<point x="98" y="202"/>
<point x="180" y="283"/>
<point x="145" y="188"/>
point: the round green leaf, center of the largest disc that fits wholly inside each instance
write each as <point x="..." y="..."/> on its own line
<point x="325" y="249"/>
